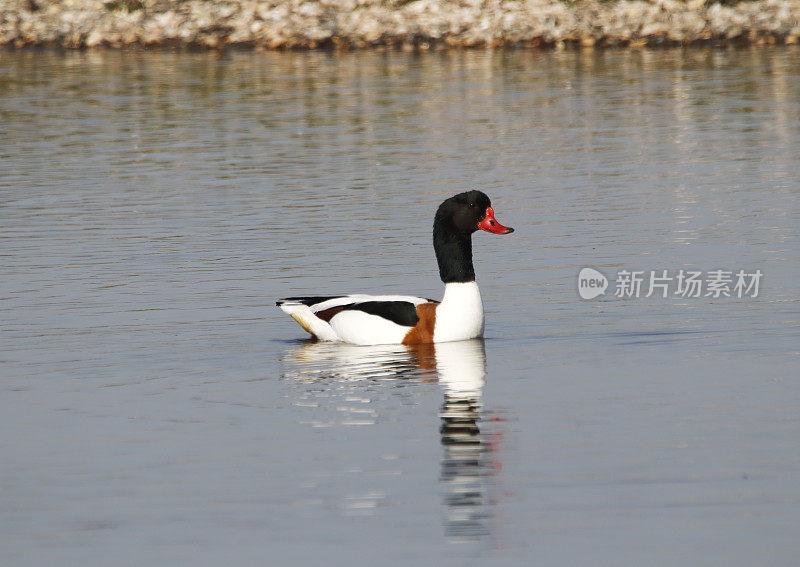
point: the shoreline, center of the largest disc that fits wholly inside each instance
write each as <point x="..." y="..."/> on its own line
<point x="400" y="24"/>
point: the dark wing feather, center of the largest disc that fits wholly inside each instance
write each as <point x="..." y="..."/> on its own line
<point x="400" y="312"/>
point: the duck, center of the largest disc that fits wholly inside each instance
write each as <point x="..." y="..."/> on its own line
<point x="403" y="319"/>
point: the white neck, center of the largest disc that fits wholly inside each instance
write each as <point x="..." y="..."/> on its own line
<point x="460" y="314"/>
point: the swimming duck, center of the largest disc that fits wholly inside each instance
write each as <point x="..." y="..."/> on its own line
<point x="400" y="319"/>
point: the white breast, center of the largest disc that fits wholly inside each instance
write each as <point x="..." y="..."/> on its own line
<point x="460" y="315"/>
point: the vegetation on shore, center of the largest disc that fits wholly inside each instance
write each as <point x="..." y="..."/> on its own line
<point x="412" y="24"/>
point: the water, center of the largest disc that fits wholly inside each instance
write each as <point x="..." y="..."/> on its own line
<point x="157" y="408"/>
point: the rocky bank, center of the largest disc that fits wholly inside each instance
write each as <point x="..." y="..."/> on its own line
<point x="410" y="24"/>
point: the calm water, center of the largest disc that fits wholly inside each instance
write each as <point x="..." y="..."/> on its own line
<point x="156" y="408"/>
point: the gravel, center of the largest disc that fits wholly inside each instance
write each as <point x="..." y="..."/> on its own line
<point x="404" y="24"/>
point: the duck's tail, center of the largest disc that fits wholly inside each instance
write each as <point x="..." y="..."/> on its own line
<point x="302" y="313"/>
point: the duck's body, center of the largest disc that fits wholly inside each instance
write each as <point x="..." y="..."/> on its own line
<point x="392" y="319"/>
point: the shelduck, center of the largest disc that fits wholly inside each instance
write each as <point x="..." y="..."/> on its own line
<point x="401" y="319"/>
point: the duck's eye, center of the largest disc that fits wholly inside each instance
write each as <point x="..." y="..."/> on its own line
<point x="472" y="205"/>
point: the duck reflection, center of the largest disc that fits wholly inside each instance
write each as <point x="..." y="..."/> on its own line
<point x="465" y="463"/>
<point x="313" y="361"/>
<point x="460" y="367"/>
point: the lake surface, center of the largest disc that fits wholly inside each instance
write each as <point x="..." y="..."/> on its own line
<point x="156" y="408"/>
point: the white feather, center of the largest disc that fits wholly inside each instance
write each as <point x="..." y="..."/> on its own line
<point x="460" y="315"/>
<point x="362" y="328"/>
<point x="310" y="322"/>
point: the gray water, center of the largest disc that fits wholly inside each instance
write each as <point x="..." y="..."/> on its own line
<point x="157" y="409"/>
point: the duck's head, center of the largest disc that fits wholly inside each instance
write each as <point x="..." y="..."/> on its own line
<point x="468" y="212"/>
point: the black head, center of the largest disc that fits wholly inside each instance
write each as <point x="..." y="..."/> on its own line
<point x="456" y="219"/>
<point x="468" y="212"/>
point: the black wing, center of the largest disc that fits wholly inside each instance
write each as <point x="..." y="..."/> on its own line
<point x="400" y="312"/>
